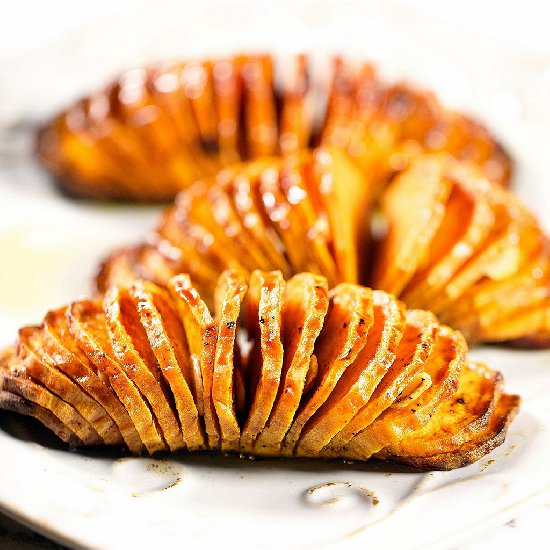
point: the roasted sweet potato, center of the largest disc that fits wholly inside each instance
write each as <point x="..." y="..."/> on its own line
<point x="155" y="130"/>
<point x="454" y="243"/>
<point x="281" y="369"/>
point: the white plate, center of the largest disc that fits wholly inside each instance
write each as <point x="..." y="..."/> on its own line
<point x="50" y="246"/>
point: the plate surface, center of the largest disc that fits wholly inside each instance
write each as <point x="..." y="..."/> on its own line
<point x="50" y="247"/>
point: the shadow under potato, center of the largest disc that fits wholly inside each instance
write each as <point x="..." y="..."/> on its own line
<point x="31" y="430"/>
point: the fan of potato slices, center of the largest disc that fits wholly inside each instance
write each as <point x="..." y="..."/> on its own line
<point x="455" y="243"/>
<point x="154" y="131"/>
<point x="280" y="368"/>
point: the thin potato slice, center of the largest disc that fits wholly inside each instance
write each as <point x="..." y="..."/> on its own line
<point x="194" y="242"/>
<point x="304" y="309"/>
<point x="488" y="297"/>
<point x="414" y="206"/>
<point x="532" y="321"/>
<point x="337" y="184"/>
<point x="474" y="449"/>
<point x="131" y="347"/>
<point x="359" y="380"/>
<point x="229" y="221"/>
<point x="117" y="268"/>
<point x="87" y="325"/>
<point x="513" y="238"/>
<point x="17" y="404"/>
<point x="14" y="382"/>
<point x="265" y="303"/>
<point x="416" y="405"/>
<point x="228" y="95"/>
<point x="347" y="324"/>
<point x="200" y="331"/>
<point x="228" y="297"/>
<point x="196" y="217"/>
<point x="39" y="368"/>
<point x="295" y="125"/>
<point x="168" y="342"/>
<point x="169" y="91"/>
<point x="518" y="302"/>
<point x="317" y="242"/>
<point x="247" y="203"/>
<point x="282" y="218"/>
<point x="468" y="220"/>
<point x="63" y="352"/>
<point x="340" y="107"/>
<point x="197" y="83"/>
<point x="260" y="114"/>
<point x="409" y="359"/>
<point x="458" y="419"/>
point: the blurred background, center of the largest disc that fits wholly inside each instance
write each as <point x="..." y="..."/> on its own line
<point x="489" y="58"/>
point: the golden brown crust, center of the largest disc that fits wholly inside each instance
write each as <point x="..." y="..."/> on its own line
<point x="472" y="450"/>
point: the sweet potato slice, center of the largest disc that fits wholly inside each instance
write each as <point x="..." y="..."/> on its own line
<point x="169" y="345"/>
<point x="247" y="203"/>
<point x="489" y="297"/>
<point x="347" y="323"/>
<point x="456" y="420"/>
<point x="317" y="240"/>
<point x="197" y="83"/>
<point x="30" y="348"/>
<point x="474" y="449"/>
<point x="131" y="347"/>
<point x="360" y="378"/>
<point x="117" y="268"/>
<point x="195" y="243"/>
<point x="170" y="92"/>
<point x="79" y="372"/>
<point x="200" y="331"/>
<point x="414" y="206"/>
<point x="17" y="404"/>
<point x="530" y="321"/>
<point x="227" y="84"/>
<point x="282" y="218"/>
<point x="437" y="381"/>
<point x="467" y="222"/>
<point x="340" y="106"/>
<point x="489" y="306"/>
<point x="513" y="238"/>
<point x="337" y="185"/>
<point x="295" y="124"/>
<point x="385" y="387"/>
<point x="229" y="294"/>
<point x="304" y="309"/>
<point x="87" y="325"/>
<point x="230" y="222"/>
<point x="39" y="395"/>
<point x="264" y="306"/>
<point x="63" y="352"/>
<point x="259" y="105"/>
<point x="196" y="217"/>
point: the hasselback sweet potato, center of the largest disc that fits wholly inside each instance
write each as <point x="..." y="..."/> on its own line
<point x="282" y="368"/>
<point x="155" y="130"/>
